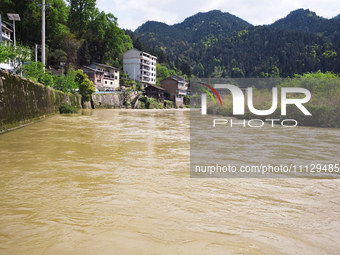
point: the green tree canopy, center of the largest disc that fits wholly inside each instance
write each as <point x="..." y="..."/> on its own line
<point x="81" y="13"/>
<point x="86" y="87"/>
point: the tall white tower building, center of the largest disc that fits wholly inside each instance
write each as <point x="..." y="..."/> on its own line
<point x="141" y="66"/>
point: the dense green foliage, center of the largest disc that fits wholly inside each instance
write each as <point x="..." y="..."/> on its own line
<point x="76" y="32"/>
<point x="6" y="53"/>
<point x="35" y="71"/>
<point x="86" y="87"/>
<point x="70" y="83"/>
<point x="307" y="21"/>
<point x="217" y="44"/>
<point x="67" y="108"/>
<point x="16" y="55"/>
<point x="149" y="103"/>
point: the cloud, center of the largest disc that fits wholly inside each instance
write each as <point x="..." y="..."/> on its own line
<point x="133" y="13"/>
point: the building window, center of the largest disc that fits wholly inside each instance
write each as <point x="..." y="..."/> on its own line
<point x="116" y="77"/>
<point x="105" y="82"/>
<point x="111" y="82"/>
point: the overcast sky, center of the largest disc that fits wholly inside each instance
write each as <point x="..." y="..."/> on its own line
<point x="133" y="13"/>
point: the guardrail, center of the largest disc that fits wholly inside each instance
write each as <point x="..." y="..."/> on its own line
<point x="114" y="92"/>
<point x="108" y="92"/>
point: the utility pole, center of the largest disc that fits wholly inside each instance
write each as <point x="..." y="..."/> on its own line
<point x="36" y="52"/>
<point x="1" y="30"/>
<point x="43" y="34"/>
<point x="43" y="47"/>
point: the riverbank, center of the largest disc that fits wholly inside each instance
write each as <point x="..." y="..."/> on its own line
<point x="23" y="101"/>
<point x="130" y="100"/>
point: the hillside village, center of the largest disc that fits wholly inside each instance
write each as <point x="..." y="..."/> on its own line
<point x="139" y="68"/>
<point x="159" y="59"/>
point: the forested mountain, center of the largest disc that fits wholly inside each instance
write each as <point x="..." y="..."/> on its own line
<point x="191" y="30"/>
<point x="218" y="44"/>
<point x="307" y="21"/>
<point x="211" y="44"/>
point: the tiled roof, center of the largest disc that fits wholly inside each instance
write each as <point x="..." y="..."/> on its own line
<point x="105" y="66"/>
<point x="157" y="87"/>
<point x="178" y="78"/>
<point x="94" y="70"/>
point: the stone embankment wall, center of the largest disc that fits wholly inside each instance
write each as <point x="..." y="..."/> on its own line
<point x="23" y="101"/>
<point x="116" y="100"/>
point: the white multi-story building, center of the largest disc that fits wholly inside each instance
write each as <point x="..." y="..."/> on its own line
<point x="141" y="66"/>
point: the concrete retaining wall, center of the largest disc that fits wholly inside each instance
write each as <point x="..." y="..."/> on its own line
<point x="23" y="101"/>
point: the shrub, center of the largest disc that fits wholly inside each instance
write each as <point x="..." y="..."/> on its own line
<point x="143" y="99"/>
<point x="186" y="100"/>
<point x="67" y="108"/>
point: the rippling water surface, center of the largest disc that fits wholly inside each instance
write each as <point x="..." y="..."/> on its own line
<point x="117" y="182"/>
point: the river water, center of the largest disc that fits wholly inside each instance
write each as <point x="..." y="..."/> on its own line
<point x="118" y="182"/>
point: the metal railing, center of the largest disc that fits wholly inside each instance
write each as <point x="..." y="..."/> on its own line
<point x="108" y="92"/>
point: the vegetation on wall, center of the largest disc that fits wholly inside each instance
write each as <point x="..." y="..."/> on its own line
<point x="23" y="100"/>
<point x="73" y="81"/>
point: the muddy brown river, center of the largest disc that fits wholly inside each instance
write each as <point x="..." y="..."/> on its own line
<point x="118" y="182"/>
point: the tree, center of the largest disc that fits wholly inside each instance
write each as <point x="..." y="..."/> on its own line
<point x="138" y="45"/>
<point x="57" y="56"/>
<point x="185" y="68"/>
<point x="56" y="23"/>
<point x="83" y="54"/>
<point x="200" y="70"/>
<point x="86" y="87"/>
<point x="6" y="53"/>
<point x="164" y="72"/>
<point x="107" y="41"/>
<point x="66" y="83"/>
<point x="70" y="45"/>
<point x="81" y="13"/>
<point x="177" y="63"/>
<point x="35" y="71"/>
<point x="16" y="55"/>
<point x="28" y="30"/>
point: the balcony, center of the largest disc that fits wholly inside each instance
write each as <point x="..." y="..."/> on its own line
<point x="8" y="37"/>
<point x="147" y="57"/>
<point x="146" y="79"/>
<point x="146" y="68"/>
<point x="147" y="63"/>
<point x="108" y="76"/>
<point x="182" y="92"/>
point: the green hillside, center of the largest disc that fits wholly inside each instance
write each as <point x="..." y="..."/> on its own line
<point x="218" y="44"/>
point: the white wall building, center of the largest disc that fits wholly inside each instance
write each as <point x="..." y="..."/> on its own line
<point x="141" y="66"/>
<point x="103" y="77"/>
